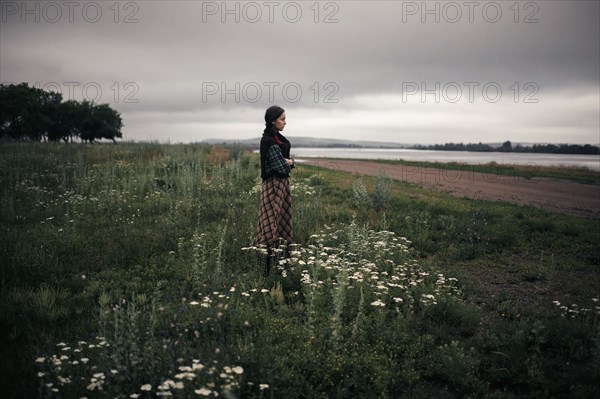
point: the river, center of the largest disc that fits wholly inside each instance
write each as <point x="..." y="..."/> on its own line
<point x="469" y="157"/>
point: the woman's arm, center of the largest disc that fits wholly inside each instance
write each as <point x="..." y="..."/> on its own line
<point x="275" y="162"/>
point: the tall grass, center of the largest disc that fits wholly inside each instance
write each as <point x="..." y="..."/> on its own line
<point x="129" y="271"/>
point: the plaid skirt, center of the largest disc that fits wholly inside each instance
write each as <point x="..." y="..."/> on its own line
<point x="275" y="216"/>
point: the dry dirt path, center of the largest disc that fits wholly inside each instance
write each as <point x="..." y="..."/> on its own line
<point x="553" y="194"/>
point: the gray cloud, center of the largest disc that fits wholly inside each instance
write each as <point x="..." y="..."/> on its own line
<point x="170" y="58"/>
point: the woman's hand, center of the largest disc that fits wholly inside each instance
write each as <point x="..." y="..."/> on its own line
<point x="290" y="162"/>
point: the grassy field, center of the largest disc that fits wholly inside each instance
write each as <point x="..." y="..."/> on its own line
<point x="128" y="271"/>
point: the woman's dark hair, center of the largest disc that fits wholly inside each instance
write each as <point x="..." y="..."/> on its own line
<point x="273" y="112"/>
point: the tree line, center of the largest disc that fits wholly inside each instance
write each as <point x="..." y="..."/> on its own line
<point x="32" y="114"/>
<point x="507" y="146"/>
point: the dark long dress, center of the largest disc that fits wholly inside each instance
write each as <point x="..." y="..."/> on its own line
<point x="275" y="215"/>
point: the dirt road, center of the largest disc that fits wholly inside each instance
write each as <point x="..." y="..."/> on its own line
<point x="553" y="194"/>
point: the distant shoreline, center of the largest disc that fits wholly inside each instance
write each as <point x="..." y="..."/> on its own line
<point x="506" y="147"/>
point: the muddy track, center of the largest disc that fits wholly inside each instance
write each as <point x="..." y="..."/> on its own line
<point x="553" y="194"/>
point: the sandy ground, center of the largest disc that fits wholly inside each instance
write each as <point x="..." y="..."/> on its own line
<point x="553" y="194"/>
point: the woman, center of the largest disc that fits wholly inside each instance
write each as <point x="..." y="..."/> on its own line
<point x="275" y="216"/>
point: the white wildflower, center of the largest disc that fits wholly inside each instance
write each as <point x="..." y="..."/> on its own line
<point x="203" y="391"/>
<point x="146" y="387"/>
<point x="197" y="366"/>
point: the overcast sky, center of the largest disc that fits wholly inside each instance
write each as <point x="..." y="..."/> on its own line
<point x="402" y="71"/>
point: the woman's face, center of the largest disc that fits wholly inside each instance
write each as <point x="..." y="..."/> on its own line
<point x="280" y="122"/>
